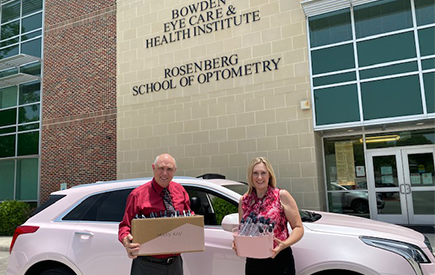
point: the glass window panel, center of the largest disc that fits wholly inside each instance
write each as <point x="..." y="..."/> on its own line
<point x="333" y="59"/>
<point x="30" y="6"/>
<point x="429" y="89"/>
<point x="7" y="171"/>
<point x="426" y="39"/>
<point x="8" y="72"/>
<point x="389" y="70"/>
<point x="330" y="28"/>
<point x="423" y="202"/>
<point x="8" y="97"/>
<point x="421" y="169"/>
<point x="392" y="203"/>
<point x="27" y="127"/>
<point x="31" y="35"/>
<point x="425" y="12"/>
<point x="28" y="113"/>
<point x="33" y="69"/>
<point x="385" y="49"/>
<point x="10" y="30"/>
<point x="336" y="78"/>
<point x="9" y="42"/>
<point x="428" y="64"/>
<point x="7" y="146"/>
<point x="11" y="11"/>
<point x="391" y="97"/>
<point x="8" y="117"/>
<point x="382" y="17"/>
<point x="27" y="179"/>
<point x="30" y="93"/>
<point x="32" y="47"/>
<point x="28" y="143"/>
<point x="31" y="23"/>
<point x="327" y="101"/>
<point x="8" y="52"/>
<point x="8" y="130"/>
<point x="407" y="138"/>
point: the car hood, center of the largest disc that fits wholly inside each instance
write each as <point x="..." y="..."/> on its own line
<point x="350" y="225"/>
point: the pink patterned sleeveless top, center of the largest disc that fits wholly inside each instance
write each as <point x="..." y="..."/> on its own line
<point x="269" y="207"/>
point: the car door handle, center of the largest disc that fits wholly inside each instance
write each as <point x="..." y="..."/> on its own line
<point x="90" y="234"/>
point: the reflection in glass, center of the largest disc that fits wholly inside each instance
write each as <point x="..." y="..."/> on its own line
<point x="424" y="202"/>
<point x="10" y="30"/>
<point x="8" y="97"/>
<point x="385" y="170"/>
<point x="10" y="11"/>
<point x="29" y="113"/>
<point x="391" y="202"/>
<point x="421" y="169"/>
<point x="27" y="179"/>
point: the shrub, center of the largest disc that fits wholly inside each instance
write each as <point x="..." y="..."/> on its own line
<point x="12" y="214"/>
<point x="223" y="208"/>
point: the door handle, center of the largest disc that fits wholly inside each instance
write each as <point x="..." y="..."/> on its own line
<point x="402" y="189"/>
<point x="90" y="234"/>
<point x="407" y="188"/>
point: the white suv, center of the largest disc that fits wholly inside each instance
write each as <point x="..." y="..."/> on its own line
<point x="75" y="233"/>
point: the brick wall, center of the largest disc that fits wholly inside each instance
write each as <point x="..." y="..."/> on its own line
<point x="78" y="142"/>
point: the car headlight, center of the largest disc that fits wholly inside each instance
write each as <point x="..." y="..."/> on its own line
<point x="412" y="253"/>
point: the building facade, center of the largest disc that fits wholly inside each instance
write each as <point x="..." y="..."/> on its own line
<point x="338" y="95"/>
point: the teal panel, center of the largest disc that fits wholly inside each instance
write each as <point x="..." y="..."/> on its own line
<point x="428" y="64"/>
<point x="330" y="28"/>
<point x="425" y="12"/>
<point x="27" y="179"/>
<point x="429" y="89"/>
<point x="30" y="93"/>
<point x="8" y="52"/>
<point x="28" y="143"/>
<point x="7" y="146"/>
<point x="33" y="47"/>
<point x="336" y="105"/>
<point x="386" y="49"/>
<point x="382" y="17"/>
<point x="336" y="78"/>
<point x="391" y="97"/>
<point x="30" y="6"/>
<point x="8" y="97"/>
<point x="389" y="70"/>
<point x="10" y="30"/>
<point x="333" y="59"/>
<point x="8" y="117"/>
<point x="28" y="113"/>
<point x="10" y="11"/>
<point x="7" y="171"/>
<point x="426" y="39"/>
<point x="31" y="23"/>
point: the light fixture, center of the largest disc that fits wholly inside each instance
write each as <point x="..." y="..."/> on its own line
<point x="381" y="138"/>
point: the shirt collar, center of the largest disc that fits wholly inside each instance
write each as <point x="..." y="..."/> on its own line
<point x="158" y="188"/>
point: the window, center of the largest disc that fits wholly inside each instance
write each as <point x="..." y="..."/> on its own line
<point x="429" y="88"/>
<point x="211" y="205"/>
<point x="333" y="28"/>
<point x="425" y="10"/>
<point x="103" y="207"/>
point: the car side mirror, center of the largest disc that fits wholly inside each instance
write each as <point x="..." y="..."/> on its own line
<point x="231" y="221"/>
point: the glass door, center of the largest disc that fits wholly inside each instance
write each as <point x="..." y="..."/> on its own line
<point x="403" y="179"/>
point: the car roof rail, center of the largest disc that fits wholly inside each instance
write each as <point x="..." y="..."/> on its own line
<point x="210" y="176"/>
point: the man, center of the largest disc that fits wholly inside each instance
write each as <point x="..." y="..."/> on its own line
<point x="151" y="198"/>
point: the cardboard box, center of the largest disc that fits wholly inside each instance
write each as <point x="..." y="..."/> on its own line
<point x="169" y="235"/>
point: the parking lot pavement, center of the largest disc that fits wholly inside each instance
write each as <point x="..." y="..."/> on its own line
<point x="5" y="242"/>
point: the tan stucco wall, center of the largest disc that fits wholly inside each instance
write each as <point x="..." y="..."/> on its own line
<point x="219" y="126"/>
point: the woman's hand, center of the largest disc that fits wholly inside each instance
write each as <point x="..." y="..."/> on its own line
<point x="234" y="247"/>
<point x="281" y="245"/>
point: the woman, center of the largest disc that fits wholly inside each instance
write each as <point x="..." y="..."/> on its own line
<point x="264" y="199"/>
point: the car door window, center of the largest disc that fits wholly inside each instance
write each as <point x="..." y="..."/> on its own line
<point x="104" y="207"/>
<point x="212" y="205"/>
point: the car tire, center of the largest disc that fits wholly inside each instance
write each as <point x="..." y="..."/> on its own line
<point x="58" y="271"/>
<point x="360" y="207"/>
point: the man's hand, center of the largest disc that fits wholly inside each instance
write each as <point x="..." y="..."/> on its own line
<point x="131" y="247"/>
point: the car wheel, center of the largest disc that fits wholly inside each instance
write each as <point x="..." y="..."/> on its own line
<point x="360" y="207"/>
<point x="58" y="271"/>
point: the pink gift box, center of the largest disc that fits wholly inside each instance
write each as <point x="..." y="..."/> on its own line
<point x="259" y="247"/>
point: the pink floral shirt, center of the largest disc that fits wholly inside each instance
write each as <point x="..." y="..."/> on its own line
<point x="269" y="207"/>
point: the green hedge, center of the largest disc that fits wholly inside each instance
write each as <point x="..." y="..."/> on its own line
<point x="12" y="214"/>
<point x="222" y="208"/>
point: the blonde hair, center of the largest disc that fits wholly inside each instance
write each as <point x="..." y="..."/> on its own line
<point x="272" y="177"/>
